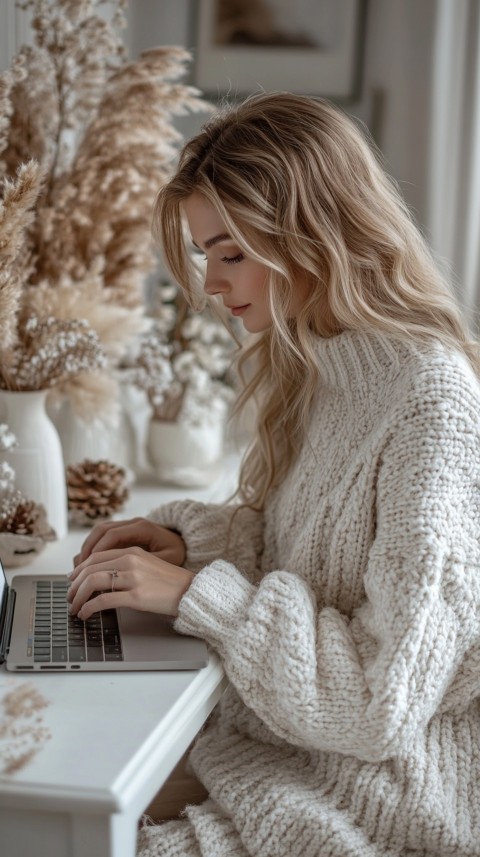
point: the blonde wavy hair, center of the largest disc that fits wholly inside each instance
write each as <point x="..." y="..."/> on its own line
<point x="302" y="190"/>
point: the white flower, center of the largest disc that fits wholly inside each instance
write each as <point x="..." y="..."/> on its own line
<point x="200" y="380"/>
<point x="213" y="358"/>
<point x="169" y="291"/>
<point x="183" y="365"/>
<point x="7" y="438"/>
<point x="165" y="319"/>
<point x="7" y="477"/>
<point x="198" y="353"/>
<point x="192" y="326"/>
<point x="202" y="408"/>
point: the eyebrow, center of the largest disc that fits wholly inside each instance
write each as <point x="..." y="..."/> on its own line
<point x="210" y="242"/>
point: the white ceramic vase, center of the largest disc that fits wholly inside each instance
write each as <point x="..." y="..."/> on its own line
<point x="184" y="454"/>
<point x="37" y="459"/>
<point x="93" y="440"/>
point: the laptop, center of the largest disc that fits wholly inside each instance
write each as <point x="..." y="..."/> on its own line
<point x="37" y="634"/>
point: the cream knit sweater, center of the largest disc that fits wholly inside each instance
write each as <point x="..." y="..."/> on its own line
<point x="348" y="622"/>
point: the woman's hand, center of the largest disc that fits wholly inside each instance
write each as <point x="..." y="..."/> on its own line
<point x="135" y="532"/>
<point x="143" y="581"/>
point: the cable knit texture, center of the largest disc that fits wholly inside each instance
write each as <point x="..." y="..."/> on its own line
<point x="347" y="618"/>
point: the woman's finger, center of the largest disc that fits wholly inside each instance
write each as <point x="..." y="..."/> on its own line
<point x="100" y="581"/>
<point x="126" y="535"/>
<point x="107" y="562"/>
<point x="106" y="558"/>
<point x="93" y="537"/>
<point x="109" y="534"/>
<point x="104" y="601"/>
<point x="147" y="582"/>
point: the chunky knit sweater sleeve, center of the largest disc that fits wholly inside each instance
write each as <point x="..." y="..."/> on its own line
<point x="367" y="685"/>
<point x="211" y="531"/>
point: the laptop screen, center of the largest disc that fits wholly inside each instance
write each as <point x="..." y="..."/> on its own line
<point x="3" y="589"/>
<point x="3" y="583"/>
<point x="3" y="609"/>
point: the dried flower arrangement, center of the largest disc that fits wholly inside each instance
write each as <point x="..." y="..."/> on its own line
<point x="24" y="529"/>
<point x="96" y="490"/>
<point x="184" y="362"/>
<point x="86" y="140"/>
<point x="49" y="352"/>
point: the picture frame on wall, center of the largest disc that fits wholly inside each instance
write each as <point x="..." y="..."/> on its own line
<point x="309" y="46"/>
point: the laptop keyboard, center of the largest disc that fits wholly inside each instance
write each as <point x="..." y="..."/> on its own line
<point x="61" y="638"/>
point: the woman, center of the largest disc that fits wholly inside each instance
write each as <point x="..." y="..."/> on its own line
<point x="342" y="594"/>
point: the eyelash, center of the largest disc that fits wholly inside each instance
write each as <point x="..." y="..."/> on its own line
<point x="229" y="260"/>
<point x="232" y="260"/>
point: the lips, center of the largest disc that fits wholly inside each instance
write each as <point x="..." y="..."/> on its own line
<point x="237" y="310"/>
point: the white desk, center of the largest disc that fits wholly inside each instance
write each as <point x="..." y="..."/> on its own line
<point x="113" y="738"/>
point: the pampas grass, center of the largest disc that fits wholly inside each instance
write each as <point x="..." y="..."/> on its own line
<point x="16" y="215"/>
<point x="86" y="140"/>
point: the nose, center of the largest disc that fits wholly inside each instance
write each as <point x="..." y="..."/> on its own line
<point x="214" y="285"/>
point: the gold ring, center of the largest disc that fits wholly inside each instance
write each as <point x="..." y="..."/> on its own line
<point x="114" y="574"/>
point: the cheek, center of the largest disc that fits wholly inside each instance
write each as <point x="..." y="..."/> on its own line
<point x="259" y="317"/>
<point x="259" y="285"/>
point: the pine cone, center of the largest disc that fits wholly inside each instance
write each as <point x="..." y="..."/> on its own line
<point x="96" y="490"/>
<point x="24" y="518"/>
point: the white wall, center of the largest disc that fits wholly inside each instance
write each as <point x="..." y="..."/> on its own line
<point x="397" y="90"/>
<point x="394" y="100"/>
<point x="14" y="31"/>
<point x="159" y="22"/>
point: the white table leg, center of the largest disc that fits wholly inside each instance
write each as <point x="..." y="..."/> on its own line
<point x="33" y="834"/>
<point x="106" y="835"/>
<point x="50" y="834"/>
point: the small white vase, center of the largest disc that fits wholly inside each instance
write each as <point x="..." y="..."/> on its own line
<point x="93" y="440"/>
<point x="184" y="454"/>
<point x="37" y="459"/>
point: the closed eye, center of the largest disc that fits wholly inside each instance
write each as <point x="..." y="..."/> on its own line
<point x="232" y="260"/>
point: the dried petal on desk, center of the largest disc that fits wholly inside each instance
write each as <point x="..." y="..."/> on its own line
<point x="22" y="732"/>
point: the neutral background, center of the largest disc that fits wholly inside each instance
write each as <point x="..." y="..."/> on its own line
<point x="417" y="89"/>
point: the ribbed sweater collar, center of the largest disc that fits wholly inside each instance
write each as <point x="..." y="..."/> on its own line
<point x="353" y="359"/>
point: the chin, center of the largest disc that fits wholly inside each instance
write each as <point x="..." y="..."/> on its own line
<point x="256" y="326"/>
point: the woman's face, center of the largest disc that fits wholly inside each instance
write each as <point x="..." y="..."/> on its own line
<point x="240" y="281"/>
